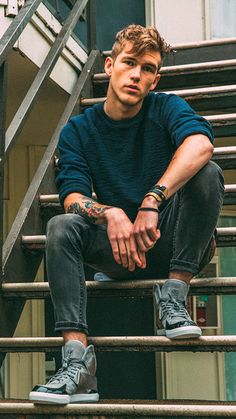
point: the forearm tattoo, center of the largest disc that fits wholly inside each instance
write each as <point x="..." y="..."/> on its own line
<point x="89" y="209"/>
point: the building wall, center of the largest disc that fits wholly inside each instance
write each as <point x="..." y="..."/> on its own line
<point x="186" y="21"/>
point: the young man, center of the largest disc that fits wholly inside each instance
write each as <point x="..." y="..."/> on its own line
<point x="147" y="158"/>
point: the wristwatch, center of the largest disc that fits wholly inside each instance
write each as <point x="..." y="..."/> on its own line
<point x="159" y="192"/>
<point x="161" y="188"/>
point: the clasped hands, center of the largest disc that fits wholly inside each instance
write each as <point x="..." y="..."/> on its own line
<point x="130" y="241"/>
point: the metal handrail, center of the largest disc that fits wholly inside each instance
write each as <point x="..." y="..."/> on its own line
<point x="46" y="68"/>
<point x="47" y="158"/>
<point x="16" y="28"/>
<point x="3" y="73"/>
<point x="6" y="43"/>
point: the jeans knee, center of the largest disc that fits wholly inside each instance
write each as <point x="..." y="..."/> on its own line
<point x="64" y="227"/>
<point x="208" y="182"/>
<point x="211" y="171"/>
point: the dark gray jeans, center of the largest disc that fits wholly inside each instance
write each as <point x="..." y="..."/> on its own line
<point x="187" y="226"/>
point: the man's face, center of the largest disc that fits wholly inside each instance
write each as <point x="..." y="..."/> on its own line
<point x="132" y="76"/>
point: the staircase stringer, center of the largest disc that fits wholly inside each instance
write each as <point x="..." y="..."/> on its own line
<point x="20" y="265"/>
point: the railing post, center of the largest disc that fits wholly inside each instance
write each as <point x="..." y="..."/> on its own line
<point x="91" y="25"/>
<point x="3" y="81"/>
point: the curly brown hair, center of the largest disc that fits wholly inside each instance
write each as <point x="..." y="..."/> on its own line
<point x="143" y="39"/>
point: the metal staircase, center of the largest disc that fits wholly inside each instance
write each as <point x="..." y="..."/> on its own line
<point x="210" y="87"/>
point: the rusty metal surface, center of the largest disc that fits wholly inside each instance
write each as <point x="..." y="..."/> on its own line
<point x="199" y="44"/>
<point x="203" y="98"/>
<point x="125" y="288"/>
<point x="111" y="409"/>
<point x="226" y="236"/>
<point x="220" y="65"/>
<point x="125" y="343"/>
<point x="53" y="200"/>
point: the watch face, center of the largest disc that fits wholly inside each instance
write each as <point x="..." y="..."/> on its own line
<point x="163" y="189"/>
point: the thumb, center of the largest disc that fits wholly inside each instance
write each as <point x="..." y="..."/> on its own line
<point x="158" y="234"/>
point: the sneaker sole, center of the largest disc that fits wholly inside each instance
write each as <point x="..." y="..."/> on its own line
<point x="84" y="398"/>
<point x="181" y="332"/>
<point x="50" y="398"/>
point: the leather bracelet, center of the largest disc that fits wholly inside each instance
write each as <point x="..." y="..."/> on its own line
<point x="148" y="209"/>
<point x="154" y="195"/>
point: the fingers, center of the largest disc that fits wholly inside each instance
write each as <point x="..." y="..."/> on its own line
<point x="145" y="240"/>
<point x="142" y="257"/>
<point x="125" y="253"/>
<point x="134" y="253"/>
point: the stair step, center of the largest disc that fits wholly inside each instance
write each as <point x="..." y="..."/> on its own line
<point x="195" y="52"/>
<point x="224" y="125"/>
<point x="225" y="157"/>
<point x="52" y="201"/>
<point x="126" y="288"/>
<point x="220" y="65"/>
<point x="124" y="343"/>
<point x="212" y="72"/>
<point x="112" y="409"/>
<point x="204" y="98"/>
<point x="226" y="237"/>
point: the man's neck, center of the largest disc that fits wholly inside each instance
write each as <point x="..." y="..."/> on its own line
<point x="118" y="112"/>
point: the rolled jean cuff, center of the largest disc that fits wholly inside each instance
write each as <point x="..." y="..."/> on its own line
<point x="183" y="265"/>
<point x="79" y="327"/>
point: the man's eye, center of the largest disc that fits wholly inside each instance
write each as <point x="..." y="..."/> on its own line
<point x="149" y="69"/>
<point x="130" y="63"/>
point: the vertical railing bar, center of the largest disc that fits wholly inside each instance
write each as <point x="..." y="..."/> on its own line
<point x="3" y="82"/>
<point x="46" y="68"/>
<point x="16" y="28"/>
<point x="91" y="25"/>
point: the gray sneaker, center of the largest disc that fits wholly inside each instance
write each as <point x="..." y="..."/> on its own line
<point x="173" y="319"/>
<point x="74" y="382"/>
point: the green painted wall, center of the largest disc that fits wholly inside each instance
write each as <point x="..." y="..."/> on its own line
<point x="228" y="268"/>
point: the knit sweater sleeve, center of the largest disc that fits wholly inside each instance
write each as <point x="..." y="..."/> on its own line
<point x="182" y="121"/>
<point x="74" y="174"/>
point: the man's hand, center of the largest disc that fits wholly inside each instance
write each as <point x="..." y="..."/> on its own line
<point x="146" y="232"/>
<point x="120" y="232"/>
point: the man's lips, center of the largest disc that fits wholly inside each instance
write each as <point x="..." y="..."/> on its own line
<point x="132" y="87"/>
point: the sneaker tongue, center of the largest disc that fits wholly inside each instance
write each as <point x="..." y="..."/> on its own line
<point x="176" y="288"/>
<point x="75" y="348"/>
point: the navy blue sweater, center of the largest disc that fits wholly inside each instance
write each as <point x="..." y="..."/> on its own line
<point x="122" y="160"/>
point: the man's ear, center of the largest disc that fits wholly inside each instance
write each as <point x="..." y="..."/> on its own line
<point x="155" y="83"/>
<point x="108" y="66"/>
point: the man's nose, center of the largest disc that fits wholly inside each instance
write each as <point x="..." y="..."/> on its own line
<point x="136" y="73"/>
